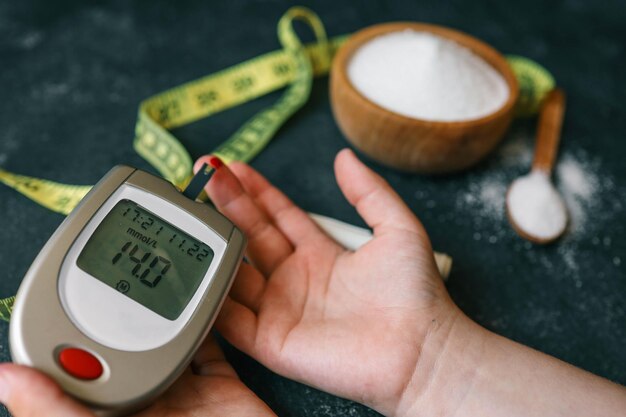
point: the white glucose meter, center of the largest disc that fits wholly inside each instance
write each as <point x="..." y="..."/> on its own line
<point x="119" y="299"/>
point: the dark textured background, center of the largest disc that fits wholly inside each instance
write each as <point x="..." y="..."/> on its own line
<point x="72" y="74"/>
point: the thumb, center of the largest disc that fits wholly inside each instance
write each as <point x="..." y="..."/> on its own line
<point x="377" y="203"/>
<point x="27" y="392"/>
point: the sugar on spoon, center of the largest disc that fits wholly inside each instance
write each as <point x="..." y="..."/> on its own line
<point x="534" y="206"/>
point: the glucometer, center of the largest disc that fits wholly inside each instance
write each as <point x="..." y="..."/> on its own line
<point x="124" y="292"/>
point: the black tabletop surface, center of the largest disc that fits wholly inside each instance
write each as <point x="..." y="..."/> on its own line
<point x="72" y="74"/>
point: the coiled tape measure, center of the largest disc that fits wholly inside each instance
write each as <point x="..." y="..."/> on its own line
<point x="123" y="252"/>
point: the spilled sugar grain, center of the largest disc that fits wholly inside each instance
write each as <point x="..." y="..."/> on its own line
<point x="577" y="178"/>
<point x="592" y="199"/>
<point x="579" y="182"/>
<point x="486" y="194"/>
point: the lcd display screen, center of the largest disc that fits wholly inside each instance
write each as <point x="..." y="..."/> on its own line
<point x="146" y="258"/>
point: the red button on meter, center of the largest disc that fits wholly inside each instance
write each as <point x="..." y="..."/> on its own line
<point x="80" y="363"/>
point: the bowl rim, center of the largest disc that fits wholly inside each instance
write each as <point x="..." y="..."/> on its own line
<point x="356" y="40"/>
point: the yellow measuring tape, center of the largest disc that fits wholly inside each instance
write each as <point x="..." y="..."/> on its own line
<point x="294" y="66"/>
<point x="6" y="305"/>
<point x="535" y="82"/>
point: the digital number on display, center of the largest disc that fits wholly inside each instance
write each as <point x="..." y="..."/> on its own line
<point x="146" y="258"/>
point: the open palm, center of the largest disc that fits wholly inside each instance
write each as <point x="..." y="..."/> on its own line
<point x="351" y="323"/>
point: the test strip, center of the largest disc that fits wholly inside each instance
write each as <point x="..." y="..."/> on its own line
<point x="197" y="183"/>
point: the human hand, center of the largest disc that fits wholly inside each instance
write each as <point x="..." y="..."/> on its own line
<point x="209" y="388"/>
<point x="355" y="324"/>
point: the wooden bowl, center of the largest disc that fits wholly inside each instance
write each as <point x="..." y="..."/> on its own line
<point x="409" y="144"/>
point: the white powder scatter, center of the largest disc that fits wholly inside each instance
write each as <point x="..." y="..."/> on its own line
<point x="593" y="200"/>
<point x="578" y="181"/>
<point x="486" y="193"/>
<point x="9" y="144"/>
<point x="30" y="40"/>
<point x="492" y="194"/>
<point x="575" y="179"/>
<point x="49" y="91"/>
<point x="516" y="152"/>
<point x="486" y="197"/>
<point x="536" y="206"/>
<point x="424" y="76"/>
<point x="9" y="140"/>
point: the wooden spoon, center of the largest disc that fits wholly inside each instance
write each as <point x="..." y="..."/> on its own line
<point x="541" y="216"/>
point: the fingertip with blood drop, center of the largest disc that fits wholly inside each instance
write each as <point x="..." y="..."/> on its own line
<point x="215" y="162"/>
